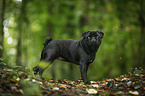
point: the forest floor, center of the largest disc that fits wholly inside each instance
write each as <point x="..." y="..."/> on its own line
<point x="17" y="82"/>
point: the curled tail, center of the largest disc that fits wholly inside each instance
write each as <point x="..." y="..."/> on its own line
<point x="47" y="40"/>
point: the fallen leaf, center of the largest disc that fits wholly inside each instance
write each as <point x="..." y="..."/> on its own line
<point x="95" y="85"/>
<point x="18" y="79"/>
<point x="33" y="80"/>
<point x="137" y="86"/>
<point x="134" y="92"/>
<point x="13" y="88"/>
<point x="56" y="88"/>
<point x="129" y="83"/>
<point x="92" y="91"/>
<point x="10" y="70"/>
<point x="62" y="86"/>
<point x="21" y="91"/>
<point x="124" y="79"/>
<point x="40" y="82"/>
<point x="3" y="76"/>
<point x="17" y="84"/>
<point x="78" y="85"/>
<point x="119" y="93"/>
<point x="12" y="80"/>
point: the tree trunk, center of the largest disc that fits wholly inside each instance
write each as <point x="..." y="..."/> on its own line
<point x="141" y="57"/>
<point x="2" y="6"/>
<point x="22" y="24"/>
<point x="84" y="19"/>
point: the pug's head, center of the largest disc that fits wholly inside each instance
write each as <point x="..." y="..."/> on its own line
<point x="93" y="37"/>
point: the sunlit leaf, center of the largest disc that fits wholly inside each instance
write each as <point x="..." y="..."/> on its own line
<point x="56" y="88"/>
<point x="95" y="85"/>
<point x="129" y="83"/>
<point x="10" y="70"/>
<point x="62" y="86"/>
<point x="92" y="91"/>
<point x="13" y="88"/>
<point x="18" y="79"/>
<point x="21" y="91"/>
<point x="134" y="92"/>
<point x="33" y="80"/>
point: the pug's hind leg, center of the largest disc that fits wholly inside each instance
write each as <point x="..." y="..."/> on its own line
<point x="36" y="69"/>
<point x="44" y="64"/>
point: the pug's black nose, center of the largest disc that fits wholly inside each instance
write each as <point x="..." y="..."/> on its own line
<point x="93" y="39"/>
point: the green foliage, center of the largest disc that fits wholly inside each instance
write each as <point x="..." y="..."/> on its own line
<point x="30" y="88"/>
<point x="122" y="22"/>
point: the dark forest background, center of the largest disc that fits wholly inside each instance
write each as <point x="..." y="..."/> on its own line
<point x="25" y="24"/>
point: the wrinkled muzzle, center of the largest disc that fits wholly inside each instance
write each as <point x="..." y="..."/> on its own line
<point x="93" y="39"/>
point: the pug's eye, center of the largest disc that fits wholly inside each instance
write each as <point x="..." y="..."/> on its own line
<point x="100" y="37"/>
<point x="88" y="37"/>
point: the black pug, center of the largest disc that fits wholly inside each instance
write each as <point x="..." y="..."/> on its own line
<point x="81" y="52"/>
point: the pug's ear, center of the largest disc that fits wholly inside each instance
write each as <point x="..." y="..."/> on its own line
<point x="84" y="34"/>
<point x="102" y="34"/>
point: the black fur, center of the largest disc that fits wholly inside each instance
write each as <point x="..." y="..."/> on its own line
<point x="81" y="52"/>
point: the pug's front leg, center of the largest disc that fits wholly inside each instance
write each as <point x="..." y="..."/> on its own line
<point x="83" y="69"/>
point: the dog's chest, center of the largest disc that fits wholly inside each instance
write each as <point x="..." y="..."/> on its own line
<point x="91" y="58"/>
<point x="87" y="58"/>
